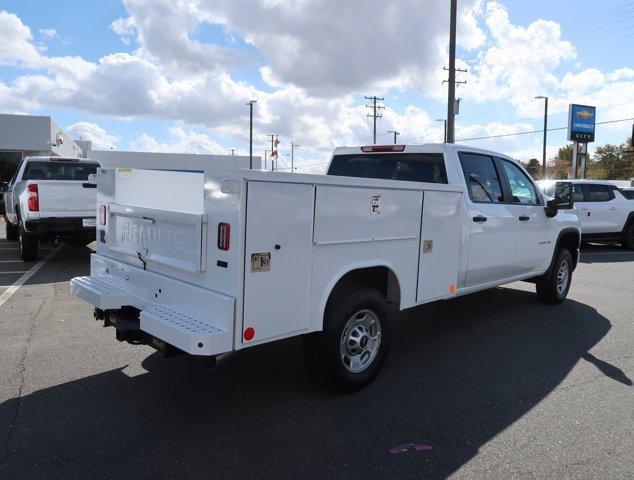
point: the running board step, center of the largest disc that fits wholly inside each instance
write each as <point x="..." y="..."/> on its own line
<point x="106" y="292"/>
<point x="183" y="331"/>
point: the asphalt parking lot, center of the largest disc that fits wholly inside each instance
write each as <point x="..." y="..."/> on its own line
<point x="492" y="385"/>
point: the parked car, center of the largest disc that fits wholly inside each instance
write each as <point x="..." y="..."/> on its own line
<point x="51" y="198"/>
<point x="605" y="213"/>
<point x="236" y="259"/>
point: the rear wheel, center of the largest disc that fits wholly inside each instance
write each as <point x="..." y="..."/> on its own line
<point x="553" y="286"/>
<point x="12" y="230"/>
<point x="351" y="349"/>
<point x="628" y="238"/>
<point x="27" y="245"/>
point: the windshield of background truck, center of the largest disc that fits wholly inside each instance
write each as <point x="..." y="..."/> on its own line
<point x="59" y="171"/>
<point x="412" y="167"/>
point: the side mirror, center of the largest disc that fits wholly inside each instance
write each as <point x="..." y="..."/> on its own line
<point x="564" y="195"/>
<point x="564" y="199"/>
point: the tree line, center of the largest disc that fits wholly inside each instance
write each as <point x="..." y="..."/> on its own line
<point x="608" y="162"/>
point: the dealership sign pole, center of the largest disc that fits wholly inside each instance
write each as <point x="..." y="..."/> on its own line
<point x="581" y="123"/>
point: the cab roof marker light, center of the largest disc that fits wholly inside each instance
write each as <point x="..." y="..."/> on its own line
<point x="383" y="148"/>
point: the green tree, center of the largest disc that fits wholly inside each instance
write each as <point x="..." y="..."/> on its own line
<point x="533" y="167"/>
<point x="612" y="162"/>
<point x="560" y="166"/>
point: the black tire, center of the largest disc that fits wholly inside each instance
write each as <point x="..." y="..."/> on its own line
<point x="12" y="230"/>
<point x="27" y="245"/>
<point x="553" y="286"/>
<point x="628" y="237"/>
<point x="323" y="350"/>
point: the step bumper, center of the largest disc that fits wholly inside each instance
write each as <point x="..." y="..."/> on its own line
<point x="193" y="319"/>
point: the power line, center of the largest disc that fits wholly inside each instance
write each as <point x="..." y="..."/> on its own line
<point x="538" y="131"/>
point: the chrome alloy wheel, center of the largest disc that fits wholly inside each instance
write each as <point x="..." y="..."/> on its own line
<point x="360" y="340"/>
<point x="563" y="274"/>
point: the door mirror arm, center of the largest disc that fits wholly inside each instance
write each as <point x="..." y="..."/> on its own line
<point x="551" y="208"/>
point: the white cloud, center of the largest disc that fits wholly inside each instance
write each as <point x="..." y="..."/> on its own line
<point x="16" y="47"/>
<point x="99" y="137"/>
<point x="180" y="141"/>
<point x="48" y="33"/>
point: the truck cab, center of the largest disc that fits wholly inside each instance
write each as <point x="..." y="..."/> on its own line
<point x="234" y="259"/>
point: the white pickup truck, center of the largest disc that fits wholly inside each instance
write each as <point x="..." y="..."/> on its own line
<point x="232" y="260"/>
<point x="50" y="198"/>
<point x="605" y="212"/>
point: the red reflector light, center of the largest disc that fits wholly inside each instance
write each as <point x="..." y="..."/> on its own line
<point x="383" y="148"/>
<point x="249" y="333"/>
<point x="224" y="236"/>
<point x="102" y="214"/>
<point x="33" y="199"/>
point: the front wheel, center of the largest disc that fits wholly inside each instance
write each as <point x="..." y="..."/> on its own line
<point x="351" y="349"/>
<point x="27" y="245"/>
<point x="553" y="286"/>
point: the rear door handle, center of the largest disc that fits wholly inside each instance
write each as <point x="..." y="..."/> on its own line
<point x="613" y="208"/>
<point x="524" y="218"/>
<point x="479" y="219"/>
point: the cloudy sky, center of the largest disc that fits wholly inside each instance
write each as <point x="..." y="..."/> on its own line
<point x="174" y="75"/>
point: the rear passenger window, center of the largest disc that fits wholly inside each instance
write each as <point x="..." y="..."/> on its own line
<point x="482" y="178"/>
<point x="598" y="193"/>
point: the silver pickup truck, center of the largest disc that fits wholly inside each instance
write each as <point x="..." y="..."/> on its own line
<point x="50" y="198"/>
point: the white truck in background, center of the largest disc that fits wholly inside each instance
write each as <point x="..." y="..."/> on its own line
<point x="232" y="260"/>
<point x="605" y="212"/>
<point x="50" y="198"/>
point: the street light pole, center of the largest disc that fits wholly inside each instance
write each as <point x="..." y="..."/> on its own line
<point x="293" y="145"/>
<point x="395" y="134"/>
<point x="545" y="98"/>
<point x="444" y="138"/>
<point x="250" y="103"/>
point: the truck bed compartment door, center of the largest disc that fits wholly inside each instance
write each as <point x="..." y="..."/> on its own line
<point x="277" y="259"/>
<point x="441" y="231"/>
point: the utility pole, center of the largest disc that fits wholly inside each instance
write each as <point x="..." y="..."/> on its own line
<point x="374" y="115"/>
<point x="250" y="103"/>
<point x="293" y="145"/>
<point x="395" y="134"/>
<point x="545" y="98"/>
<point x="451" y="82"/>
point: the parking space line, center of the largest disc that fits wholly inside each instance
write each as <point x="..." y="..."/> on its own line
<point x="13" y="271"/>
<point x="8" y="293"/>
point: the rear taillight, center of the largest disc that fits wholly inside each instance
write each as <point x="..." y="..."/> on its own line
<point x="224" y="236"/>
<point x="33" y="198"/>
<point x="383" y="148"/>
<point x="102" y="214"/>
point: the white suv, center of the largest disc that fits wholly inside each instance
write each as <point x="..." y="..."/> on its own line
<point x="606" y="215"/>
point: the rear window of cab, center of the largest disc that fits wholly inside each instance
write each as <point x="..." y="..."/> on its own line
<point x="411" y="167"/>
<point x="59" y="170"/>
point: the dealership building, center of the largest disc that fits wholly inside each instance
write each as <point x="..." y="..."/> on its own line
<point x="25" y="135"/>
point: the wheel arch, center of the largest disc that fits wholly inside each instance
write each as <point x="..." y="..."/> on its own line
<point x="379" y="275"/>
<point x="571" y="239"/>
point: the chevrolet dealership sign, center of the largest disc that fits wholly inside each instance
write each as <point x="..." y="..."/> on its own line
<point x="581" y="122"/>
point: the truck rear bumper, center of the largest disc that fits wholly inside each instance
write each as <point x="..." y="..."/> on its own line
<point x="193" y="319"/>
<point x="60" y="226"/>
